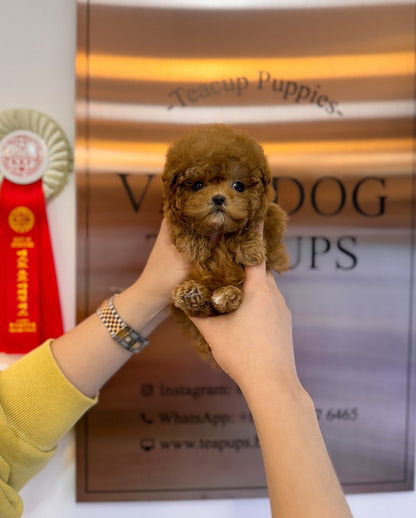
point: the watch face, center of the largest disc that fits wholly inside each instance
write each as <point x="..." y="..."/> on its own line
<point x="129" y="339"/>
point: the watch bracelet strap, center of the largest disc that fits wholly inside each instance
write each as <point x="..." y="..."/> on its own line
<point x="121" y="332"/>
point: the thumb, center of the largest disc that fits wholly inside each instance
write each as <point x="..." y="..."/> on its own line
<point x="255" y="276"/>
<point x="256" y="273"/>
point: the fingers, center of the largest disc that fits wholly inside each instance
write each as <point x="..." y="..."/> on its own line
<point x="255" y="275"/>
<point x="164" y="232"/>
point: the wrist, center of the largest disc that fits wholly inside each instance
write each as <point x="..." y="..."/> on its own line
<point x="276" y="393"/>
<point x="139" y="307"/>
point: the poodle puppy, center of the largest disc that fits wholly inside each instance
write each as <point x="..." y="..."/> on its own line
<point x="216" y="193"/>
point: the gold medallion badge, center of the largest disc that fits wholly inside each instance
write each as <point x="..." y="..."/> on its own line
<point x="21" y="219"/>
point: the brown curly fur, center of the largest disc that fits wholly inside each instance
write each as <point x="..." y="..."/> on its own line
<point x="214" y="224"/>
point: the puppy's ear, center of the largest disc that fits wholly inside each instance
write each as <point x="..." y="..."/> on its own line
<point x="266" y="180"/>
<point x="170" y="178"/>
<point x="265" y="176"/>
<point x="174" y="180"/>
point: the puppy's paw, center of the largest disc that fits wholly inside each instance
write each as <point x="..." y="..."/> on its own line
<point x="227" y="299"/>
<point x="193" y="298"/>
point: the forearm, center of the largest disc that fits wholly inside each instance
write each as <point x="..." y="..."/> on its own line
<point x="88" y="356"/>
<point x="254" y="346"/>
<point x="300" y="476"/>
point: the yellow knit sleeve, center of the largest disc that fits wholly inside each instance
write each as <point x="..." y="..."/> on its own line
<point x="37" y="406"/>
<point x="11" y="505"/>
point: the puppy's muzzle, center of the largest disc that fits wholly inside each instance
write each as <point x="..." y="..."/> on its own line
<point x="218" y="200"/>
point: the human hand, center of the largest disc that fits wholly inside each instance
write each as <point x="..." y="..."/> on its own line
<point x="145" y="302"/>
<point x="166" y="267"/>
<point x="254" y="343"/>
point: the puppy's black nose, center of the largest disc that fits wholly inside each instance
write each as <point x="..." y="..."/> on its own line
<point x="218" y="199"/>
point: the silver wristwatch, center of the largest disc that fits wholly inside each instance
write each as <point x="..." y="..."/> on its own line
<point x="119" y="330"/>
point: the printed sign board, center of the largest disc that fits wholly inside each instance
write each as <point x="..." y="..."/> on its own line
<point x="328" y="91"/>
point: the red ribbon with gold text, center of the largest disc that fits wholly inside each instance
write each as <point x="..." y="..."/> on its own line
<point x="30" y="306"/>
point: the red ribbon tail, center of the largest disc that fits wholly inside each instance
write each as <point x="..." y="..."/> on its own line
<point x="30" y="308"/>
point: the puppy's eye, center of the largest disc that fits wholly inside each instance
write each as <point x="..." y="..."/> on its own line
<point x="197" y="186"/>
<point x="238" y="186"/>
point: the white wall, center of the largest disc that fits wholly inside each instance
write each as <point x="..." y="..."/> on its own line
<point x="37" y="50"/>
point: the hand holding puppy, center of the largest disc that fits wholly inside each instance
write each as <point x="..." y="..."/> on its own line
<point x="254" y="343"/>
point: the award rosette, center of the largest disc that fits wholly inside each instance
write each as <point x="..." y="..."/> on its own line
<point x="35" y="160"/>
